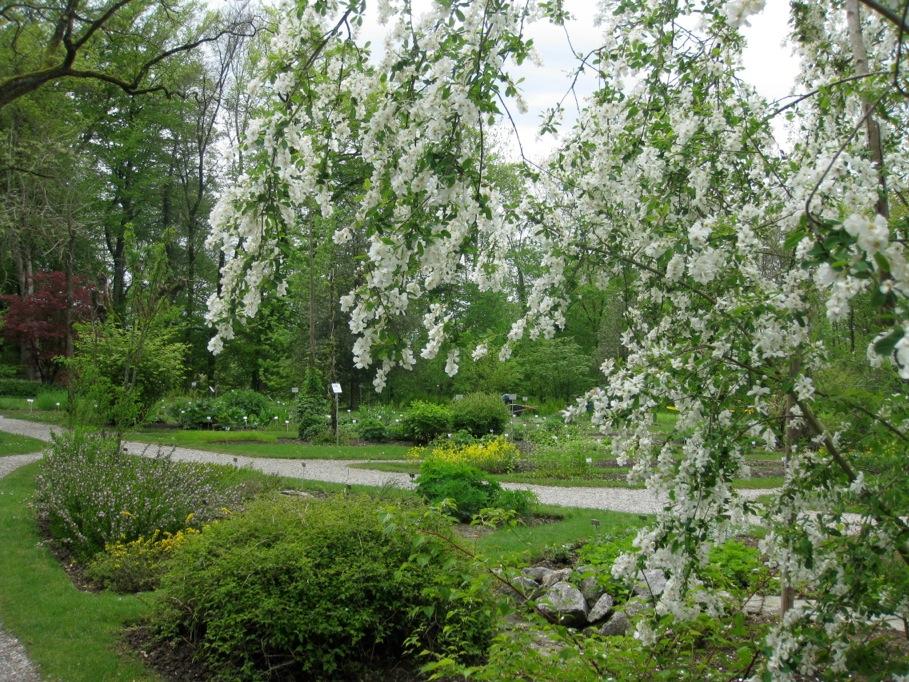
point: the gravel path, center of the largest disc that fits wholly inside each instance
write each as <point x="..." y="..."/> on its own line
<point x="631" y="500"/>
<point x="14" y="663"/>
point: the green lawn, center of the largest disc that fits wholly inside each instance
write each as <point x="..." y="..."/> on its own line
<point x="524" y="544"/>
<point x="615" y="479"/>
<point x="267" y="444"/>
<point x="69" y="634"/>
<point x="11" y="444"/>
<point x="44" y="416"/>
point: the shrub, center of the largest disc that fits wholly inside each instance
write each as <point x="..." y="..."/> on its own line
<point x="468" y="489"/>
<point x="480" y="414"/>
<point x="189" y="413"/>
<point x="737" y="567"/>
<point x="372" y="429"/>
<point x="312" y="406"/>
<point x="136" y="566"/>
<point x="323" y="589"/>
<point x="602" y="554"/>
<point x="243" y="407"/>
<point x="20" y="388"/>
<point x="90" y="494"/>
<point x="120" y="374"/>
<point x="423" y="421"/>
<point x="496" y="455"/>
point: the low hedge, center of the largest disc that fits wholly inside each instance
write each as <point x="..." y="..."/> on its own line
<point x="20" y="388"/>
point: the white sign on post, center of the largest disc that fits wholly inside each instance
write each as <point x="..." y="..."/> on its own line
<point x="295" y="390"/>
<point x="336" y="389"/>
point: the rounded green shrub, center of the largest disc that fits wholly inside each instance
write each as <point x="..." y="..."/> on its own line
<point x="424" y="421"/>
<point x="233" y="406"/>
<point x="468" y="488"/>
<point x="372" y="429"/>
<point x="189" y="413"/>
<point x="322" y="589"/>
<point x="480" y="414"/>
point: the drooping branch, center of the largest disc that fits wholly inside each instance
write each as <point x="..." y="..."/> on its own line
<point x="136" y="83"/>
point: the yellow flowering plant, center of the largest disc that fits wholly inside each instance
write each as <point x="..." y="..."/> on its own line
<point x="495" y="455"/>
<point x="136" y="565"/>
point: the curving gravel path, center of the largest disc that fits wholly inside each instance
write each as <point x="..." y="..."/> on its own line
<point x="630" y="500"/>
<point x="14" y="663"/>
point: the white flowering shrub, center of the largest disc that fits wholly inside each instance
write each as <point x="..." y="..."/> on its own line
<point x="671" y="182"/>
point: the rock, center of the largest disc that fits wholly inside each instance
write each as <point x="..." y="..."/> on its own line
<point x="617" y="625"/>
<point x="536" y="573"/>
<point x="296" y="493"/>
<point x="553" y="577"/>
<point x="527" y="587"/>
<point x="652" y="584"/>
<point x="590" y="588"/>
<point x="634" y="606"/>
<point x="563" y="603"/>
<point x="602" y="607"/>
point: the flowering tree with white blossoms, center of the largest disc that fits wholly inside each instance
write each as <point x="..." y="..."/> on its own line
<point x="670" y="179"/>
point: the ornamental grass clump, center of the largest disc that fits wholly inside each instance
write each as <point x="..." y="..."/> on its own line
<point x="323" y="589"/>
<point x="90" y="494"/>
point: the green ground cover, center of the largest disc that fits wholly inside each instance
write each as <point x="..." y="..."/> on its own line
<point x="11" y="444"/>
<point x="528" y="543"/>
<point x="69" y="634"/>
<point x="280" y="444"/>
<point x="43" y="416"/>
<point x="599" y="477"/>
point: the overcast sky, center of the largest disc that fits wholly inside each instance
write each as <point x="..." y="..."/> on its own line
<point x="769" y="66"/>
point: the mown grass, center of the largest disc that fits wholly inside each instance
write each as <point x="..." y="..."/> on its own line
<point x="11" y="444"/>
<point x="43" y="416"/>
<point x="267" y="444"/>
<point x="615" y="478"/>
<point x="523" y="543"/>
<point x="70" y="635"/>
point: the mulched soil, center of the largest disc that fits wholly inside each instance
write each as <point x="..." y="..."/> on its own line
<point x="174" y="662"/>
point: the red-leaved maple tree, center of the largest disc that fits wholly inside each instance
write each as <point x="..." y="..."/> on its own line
<point x="37" y="322"/>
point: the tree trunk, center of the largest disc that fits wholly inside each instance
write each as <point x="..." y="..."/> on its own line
<point x="787" y="595"/>
<point x="872" y="127"/>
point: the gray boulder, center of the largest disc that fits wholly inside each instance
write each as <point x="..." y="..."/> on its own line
<point x="634" y="606"/>
<point x="617" y="625"/>
<point x="600" y="609"/>
<point x="527" y="587"/>
<point x="556" y="576"/>
<point x="591" y="589"/>
<point x="536" y="573"/>
<point x="563" y="603"/>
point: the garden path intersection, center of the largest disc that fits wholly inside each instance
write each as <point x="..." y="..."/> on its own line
<point x="630" y="500"/>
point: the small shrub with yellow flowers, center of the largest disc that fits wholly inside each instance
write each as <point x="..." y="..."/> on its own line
<point x="137" y="565"/>
<point x="494" y="455"/>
